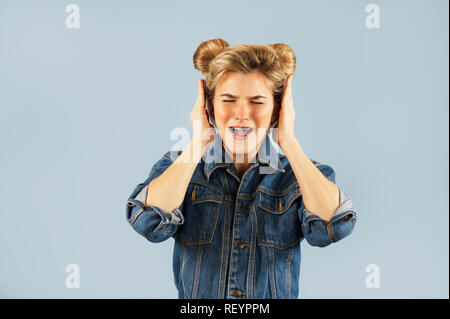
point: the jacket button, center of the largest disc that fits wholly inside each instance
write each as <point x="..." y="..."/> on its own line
<point x="237" y="293"/>
<point x="244" y="207"/>
<point x="240" y="244"/>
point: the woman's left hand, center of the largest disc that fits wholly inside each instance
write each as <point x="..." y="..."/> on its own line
<point x="285" y="127"/>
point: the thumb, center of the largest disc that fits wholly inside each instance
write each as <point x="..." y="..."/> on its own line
<point x="200" y="93"/>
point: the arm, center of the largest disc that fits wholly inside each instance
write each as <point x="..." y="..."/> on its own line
<point x="154" y="207"/>
<point x="326" y="213"/>
<point x="168" y="191"/>
<point x="158" y="220"/>
<point x="320" y="195"/>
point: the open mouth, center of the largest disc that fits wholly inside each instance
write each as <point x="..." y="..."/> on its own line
<point x="240" y="132"/>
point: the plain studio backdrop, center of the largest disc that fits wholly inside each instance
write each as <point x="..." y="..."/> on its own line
<point x="86" y="112"/>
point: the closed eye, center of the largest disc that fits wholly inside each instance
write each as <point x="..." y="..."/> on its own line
<point x="233" y="101"/>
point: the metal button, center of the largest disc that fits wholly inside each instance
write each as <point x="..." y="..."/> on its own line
<point x="240" y="244"/>
<point x="237" y="293"/>
<point x="244" y="207"/>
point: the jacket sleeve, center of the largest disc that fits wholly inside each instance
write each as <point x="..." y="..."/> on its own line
<point x="152" y="222"/>
<point x="321" y="233"/>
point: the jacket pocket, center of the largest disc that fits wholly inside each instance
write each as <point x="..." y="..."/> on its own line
<point x="277" y="213"/>
<point x="201" y="209"/>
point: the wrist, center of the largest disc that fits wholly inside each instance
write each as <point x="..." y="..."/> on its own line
<point x="286" y="143"/>
<point x="199" y="145"/>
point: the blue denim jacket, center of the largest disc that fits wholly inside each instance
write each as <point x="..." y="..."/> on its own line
<point x="238" y="238"/>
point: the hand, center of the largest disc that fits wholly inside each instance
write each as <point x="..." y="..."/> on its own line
<point x="203" y="130"/>
<point x="285" y="127"/>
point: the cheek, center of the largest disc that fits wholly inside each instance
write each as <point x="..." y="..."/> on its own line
<point x="262" y="117"/>
<point x="221" y="116"/>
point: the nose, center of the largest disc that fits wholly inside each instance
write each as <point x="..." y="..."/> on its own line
<point x="241" y="111"/>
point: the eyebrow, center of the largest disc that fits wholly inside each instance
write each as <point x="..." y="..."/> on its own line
<point x="233" y="97"/>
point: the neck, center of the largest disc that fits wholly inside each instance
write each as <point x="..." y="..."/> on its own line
<point x="242" y="162"/>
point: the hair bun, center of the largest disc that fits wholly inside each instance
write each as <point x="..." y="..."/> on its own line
<point x="286" y="56"/>
<point x="206" y="52"/>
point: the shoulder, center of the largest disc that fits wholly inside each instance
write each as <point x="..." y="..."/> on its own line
<point x="326" y="169"/>
<point x="171" y="155"/>
<point x="165" y="160"/>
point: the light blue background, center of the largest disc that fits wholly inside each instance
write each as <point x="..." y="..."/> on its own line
<point x="85" y="113"/>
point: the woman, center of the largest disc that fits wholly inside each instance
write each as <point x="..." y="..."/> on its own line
<point x="236" y="207"/>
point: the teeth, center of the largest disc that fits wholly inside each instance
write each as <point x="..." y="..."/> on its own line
<point x="241" y="131"/>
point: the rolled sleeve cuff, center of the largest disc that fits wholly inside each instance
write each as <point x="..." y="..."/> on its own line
<point x="340" y="225"/>
<point x="173" y="217"/>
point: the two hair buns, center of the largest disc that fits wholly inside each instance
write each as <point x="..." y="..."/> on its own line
<point x="208" y="50"/>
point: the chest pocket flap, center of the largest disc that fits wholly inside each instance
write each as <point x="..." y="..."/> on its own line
<point x="201" y="209"/>
<point x="278" y="222"/>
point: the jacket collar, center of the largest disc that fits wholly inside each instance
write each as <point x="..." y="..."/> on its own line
<point x="267" y="156"/>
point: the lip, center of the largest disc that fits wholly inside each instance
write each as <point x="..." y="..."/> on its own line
<point x="240" y="126"/>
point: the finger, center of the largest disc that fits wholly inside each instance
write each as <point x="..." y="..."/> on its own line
<point x="285" y="93"/>
<point x="200" y="95"/>
<point x="290" y="85"/>
<point x="287" y="86"/>
<point x="200" y="88"/>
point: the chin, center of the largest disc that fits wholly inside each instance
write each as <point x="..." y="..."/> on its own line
<point x="240" y="153"/>
<point x="240" y="150"/>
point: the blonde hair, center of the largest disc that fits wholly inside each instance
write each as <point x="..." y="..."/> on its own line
<point x="216" y="57"/>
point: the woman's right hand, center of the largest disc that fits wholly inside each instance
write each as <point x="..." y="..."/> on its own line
<point x="203" y="130"/>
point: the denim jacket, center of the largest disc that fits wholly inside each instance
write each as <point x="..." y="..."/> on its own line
<point x="238" y="237"/>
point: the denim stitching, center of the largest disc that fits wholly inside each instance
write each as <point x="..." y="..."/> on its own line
<point x="197" y="272"/>
<point x="183" y="261"/>
<point x="236" y="229"/>
<point x="251" y="263"/>
<point x="204" y="241"/>
<point x="225" y="239"/>
<point x="281" y="209"/>
<point x="279" y="246"/>
<point x="330" y="232"/>
<point x="273" y="289"/>
<point x="288" y="273"/>
<point x="132" y="219"/>
<point x="284" y="192"/>
<point x="207" y="185"/>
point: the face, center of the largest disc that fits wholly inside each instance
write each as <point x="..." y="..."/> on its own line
<point x="243" y="105"/>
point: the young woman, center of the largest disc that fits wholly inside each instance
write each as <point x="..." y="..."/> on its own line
<point x="237" y="208"/>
